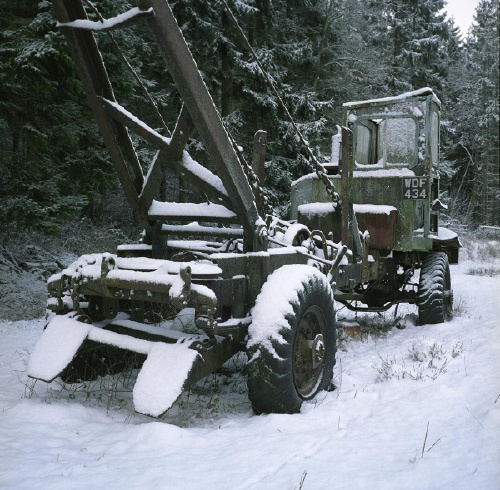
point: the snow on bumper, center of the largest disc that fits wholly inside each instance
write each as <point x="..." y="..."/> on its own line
<point x="159" y="383"/>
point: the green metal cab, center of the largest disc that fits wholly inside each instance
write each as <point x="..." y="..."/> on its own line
<point x="385" y="166"/>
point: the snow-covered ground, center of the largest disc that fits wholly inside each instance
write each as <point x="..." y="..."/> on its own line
<point x="414" y="408"/>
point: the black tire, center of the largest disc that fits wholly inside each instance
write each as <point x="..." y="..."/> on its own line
<point x="435" y="297"/>
<point x="304" y="354"/>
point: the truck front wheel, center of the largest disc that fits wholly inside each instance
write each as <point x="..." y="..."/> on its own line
<point x="435" y="297"/>
<point x="292" y="340"/>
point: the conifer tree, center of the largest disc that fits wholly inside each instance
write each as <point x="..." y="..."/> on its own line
<point x="411" y="35"/>
<point x="476" y="116"/>
<point x="37" y="100"/>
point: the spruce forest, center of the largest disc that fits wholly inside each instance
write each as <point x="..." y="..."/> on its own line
<point x="319" y="54"/>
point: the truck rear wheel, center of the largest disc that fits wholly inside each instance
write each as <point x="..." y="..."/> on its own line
<point x="435" y="297"/>
<point x="295" y="361"/>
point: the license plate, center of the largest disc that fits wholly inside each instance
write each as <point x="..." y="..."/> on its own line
<point x="415" y="187"/>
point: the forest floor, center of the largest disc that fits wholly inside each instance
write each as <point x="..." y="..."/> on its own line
<point x="28" y="260"/>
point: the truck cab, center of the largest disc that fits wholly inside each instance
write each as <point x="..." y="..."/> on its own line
<point x="385" y="167"/>
<point x="392" y="174"/>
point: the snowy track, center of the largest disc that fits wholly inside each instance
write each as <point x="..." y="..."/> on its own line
<point x="418" y="408"/>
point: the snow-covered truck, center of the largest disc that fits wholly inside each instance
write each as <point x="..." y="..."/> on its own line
<point x="218" y="275"/>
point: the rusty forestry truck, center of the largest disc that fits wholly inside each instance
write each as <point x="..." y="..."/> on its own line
<point x="364" y="232"/>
